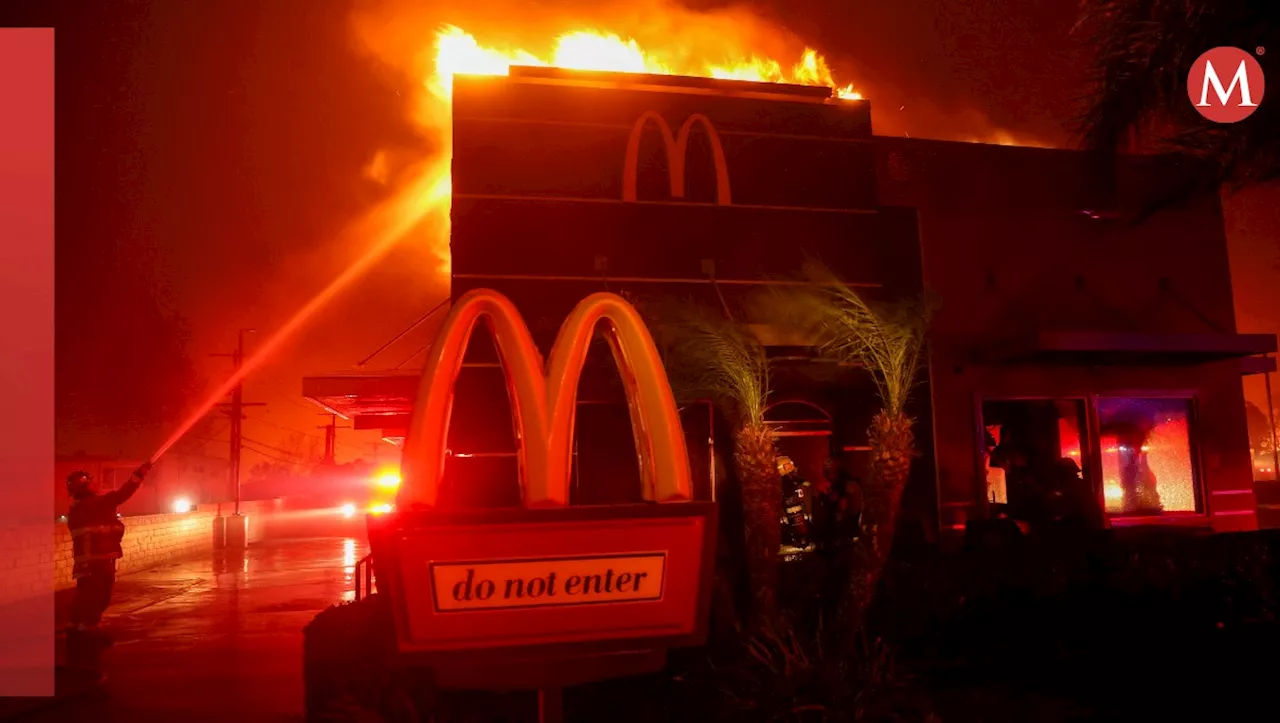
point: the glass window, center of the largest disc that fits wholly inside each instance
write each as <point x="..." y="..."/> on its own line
<point x="1260" y="440"/>
<point x="1032" y="459"/>
<point x="1147" y="465"/>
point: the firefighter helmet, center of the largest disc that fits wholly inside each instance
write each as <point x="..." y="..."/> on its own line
<point x="78" y="483"/>
<point x="785" y="466"/>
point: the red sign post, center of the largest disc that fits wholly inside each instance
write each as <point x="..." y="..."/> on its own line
<point x="547" y="595"/>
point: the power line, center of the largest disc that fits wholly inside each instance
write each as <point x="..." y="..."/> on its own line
<point x="299" y="431"/>
<point x="275" y="392"/>
<point x="252" y="447"/>
<point x="204" y="441"/>
<point x="198" y="452"/>
<point x="271" y="457"/>
<point x="276" y="455"/>
<point x="414" y="355"/>
<point x="402" y="334"/>
<point x="274" y="448"/>
<point x="310" y="409"/>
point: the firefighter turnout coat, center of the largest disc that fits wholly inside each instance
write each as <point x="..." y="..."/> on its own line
<point x="96" y="529"/>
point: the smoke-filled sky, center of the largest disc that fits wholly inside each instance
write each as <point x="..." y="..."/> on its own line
<point x="213" y="157"/>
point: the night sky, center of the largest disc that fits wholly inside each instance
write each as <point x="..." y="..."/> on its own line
<point x="210" y="152"/>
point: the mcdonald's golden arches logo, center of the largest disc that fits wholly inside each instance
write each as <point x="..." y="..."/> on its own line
<point x="544" y="402"/>
<point x="677" y="146"/>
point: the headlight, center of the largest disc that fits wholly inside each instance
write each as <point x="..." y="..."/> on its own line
<point x="182" y="505"/>
<point x="348" y="510"/>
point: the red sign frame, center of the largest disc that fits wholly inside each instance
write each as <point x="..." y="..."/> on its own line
<point x="519" y="645"/>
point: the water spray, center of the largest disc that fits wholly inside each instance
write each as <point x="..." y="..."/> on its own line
<point x="412" y="206"/>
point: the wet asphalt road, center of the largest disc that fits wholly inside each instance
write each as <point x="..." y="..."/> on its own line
<point x="217" y="639"/>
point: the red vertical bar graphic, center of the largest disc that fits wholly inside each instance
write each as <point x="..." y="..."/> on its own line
<point x="26" y="362"/>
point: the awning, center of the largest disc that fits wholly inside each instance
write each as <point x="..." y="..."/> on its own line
<point x="363" y="394"/>
<point x="1110" y="348"/>
<point x="371" y="400"/>
<point x="1257" y="365"/>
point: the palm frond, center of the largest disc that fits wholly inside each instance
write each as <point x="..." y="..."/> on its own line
<point x="709" y="356"/>
<point x="886" y="339"/>
<point x="1143" y="51"/>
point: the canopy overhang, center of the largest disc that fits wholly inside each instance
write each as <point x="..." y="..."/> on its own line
<point x="371" y="400"/>
<point x="1251" y="365"/>
<point x="1155" y="349"/>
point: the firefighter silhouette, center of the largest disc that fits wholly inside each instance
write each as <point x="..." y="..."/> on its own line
<point x="1136" y="477"/>
<point x="797" y="512"/>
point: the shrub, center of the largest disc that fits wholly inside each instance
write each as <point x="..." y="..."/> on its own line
<point x="348" y="670"/>
<point x="786" y="674"/>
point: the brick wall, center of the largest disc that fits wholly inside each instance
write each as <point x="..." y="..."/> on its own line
<point x="26" y="561"/>
<point x="38" y="558"/>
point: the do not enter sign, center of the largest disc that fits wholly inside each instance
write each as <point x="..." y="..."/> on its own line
<point x="518" y="578"/>
<point x="555" y="581"/>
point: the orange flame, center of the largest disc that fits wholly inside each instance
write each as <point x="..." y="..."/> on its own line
<point x="725" y="46"/>
<point x="457" y="51"/>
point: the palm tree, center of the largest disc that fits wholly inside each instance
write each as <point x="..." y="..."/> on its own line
<point x="708" y="356"/>
<point x="1144" y="50"/>
<point x="887" y="340"/>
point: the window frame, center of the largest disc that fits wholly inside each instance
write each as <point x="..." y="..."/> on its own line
<point x="1198" y="516"/>
<point x="1087" y="437"/>
<point x="1091" y="446"/>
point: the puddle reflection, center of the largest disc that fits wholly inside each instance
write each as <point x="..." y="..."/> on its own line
<point x="226" y="561"/>
<point x="349" y="560"/>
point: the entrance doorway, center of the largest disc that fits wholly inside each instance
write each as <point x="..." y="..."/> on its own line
<point x="803" y="430"/>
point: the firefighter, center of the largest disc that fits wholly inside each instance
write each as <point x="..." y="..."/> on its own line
<point x="839" y="501"/>
<point x="96" y="534"/>
<point x="797" y="512"/>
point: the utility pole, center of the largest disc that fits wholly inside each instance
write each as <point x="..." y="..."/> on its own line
<point x="330" y="439"/>
<point x="236" y="411"/>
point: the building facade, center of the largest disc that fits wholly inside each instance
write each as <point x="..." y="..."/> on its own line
<point x="1074" y="339"/>
<point x="1104" y="336"/>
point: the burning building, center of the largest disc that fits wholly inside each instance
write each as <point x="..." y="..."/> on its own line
<point x="1069" y="340"/>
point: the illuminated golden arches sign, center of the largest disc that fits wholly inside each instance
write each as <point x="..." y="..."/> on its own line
<point x="677" y="146"/>
<point x="544" y="406"/>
